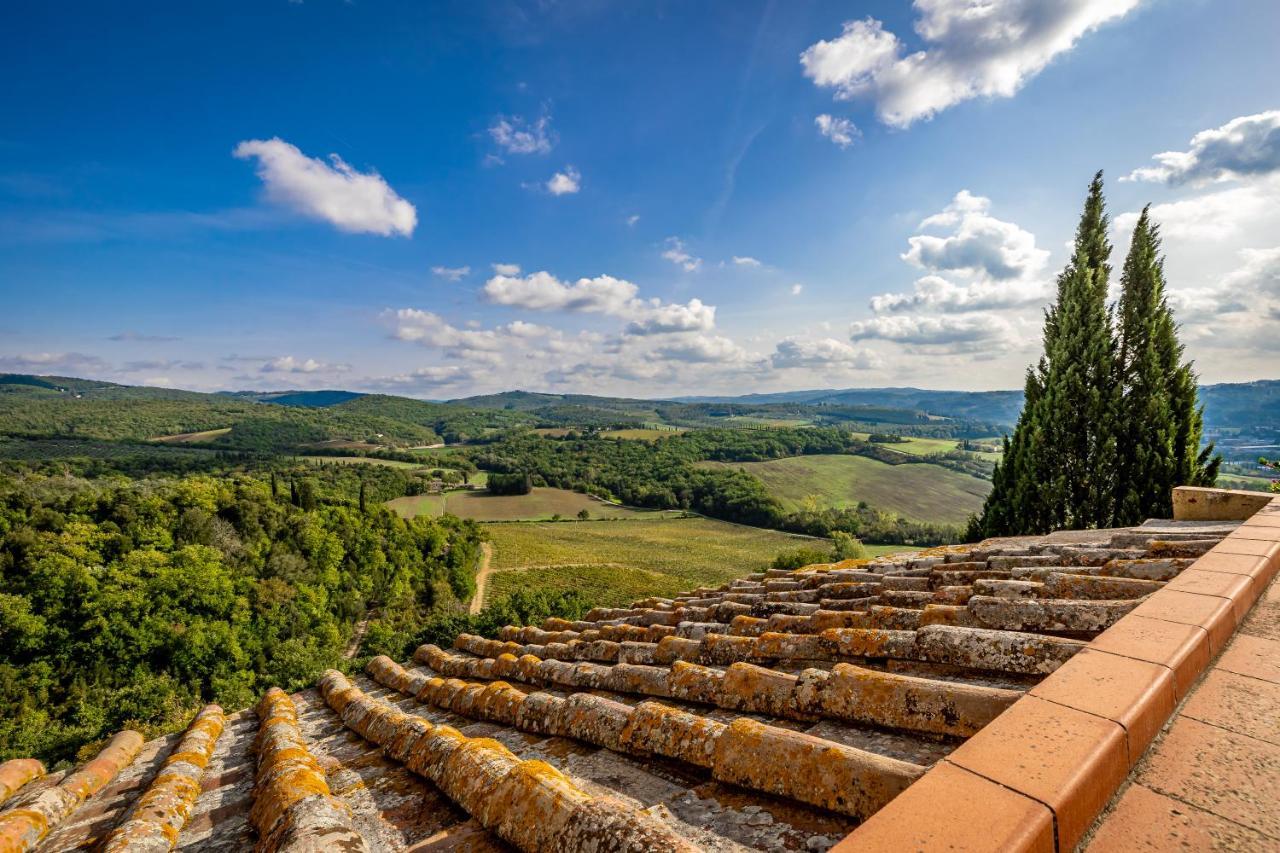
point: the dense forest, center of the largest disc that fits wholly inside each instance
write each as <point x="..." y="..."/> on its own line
<point x="129" y="602"/>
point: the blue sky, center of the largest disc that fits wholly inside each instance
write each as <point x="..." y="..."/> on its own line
<point x="627" y="198"/>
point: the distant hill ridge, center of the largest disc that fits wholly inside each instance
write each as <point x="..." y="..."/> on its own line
<point x="1227" y="405"/>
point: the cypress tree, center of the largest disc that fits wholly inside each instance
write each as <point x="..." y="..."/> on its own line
<point x="1062" y="455"/>
<point x="1147" y="471"/>
<point x="1163" y="425"/>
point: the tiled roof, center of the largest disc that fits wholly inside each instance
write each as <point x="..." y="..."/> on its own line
<point x="776" y="712"/>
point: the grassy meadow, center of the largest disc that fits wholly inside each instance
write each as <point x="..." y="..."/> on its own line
<point x="539" y="505"/>
<point x="193" y="437"/>
<point x="921" y="492"/>
<point x="616" y="562"/>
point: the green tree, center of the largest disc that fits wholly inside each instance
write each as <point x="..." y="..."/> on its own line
<point x="1062" y="454"/>
<point x="1161" y="423"/>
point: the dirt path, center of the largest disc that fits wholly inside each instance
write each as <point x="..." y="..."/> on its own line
<point x="357" y="638"/>
<point x="482" y="578"/>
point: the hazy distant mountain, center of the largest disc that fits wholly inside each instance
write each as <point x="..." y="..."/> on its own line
<point x="997" y="406"/>
<point x="1228" y="405"/>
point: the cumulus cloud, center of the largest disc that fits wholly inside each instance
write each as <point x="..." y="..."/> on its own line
<point x="565" y="183"/>
<point x="515" y="135"/>
<point x="702" y="349"/>
<point x="541" y="291"/>
<point x="978" y="243"/>
<point x="798" y="352"/>
<point x="1211" y="216"/>
<point x="451" y="273"/>
<point x="840" y="131"/>
<point x="356" y="202"/>
<point x="797" y="289"/>
<point x="654" y="318"/>
<point x="506" y="269"/>
<point x="289" y="364"/>
<point x="1252" y="287"/>
<point x="604" y="294"/>
<point x="678" y="254"/>
<point x="966" y="333"/>
<point x="431" y="330"/>
<point x="979" y="263"/>
<point x="746" y="261"/>
<point x="936" y="292"/>
<point x="1245" y="147"/>
<point x="972" y="49"/>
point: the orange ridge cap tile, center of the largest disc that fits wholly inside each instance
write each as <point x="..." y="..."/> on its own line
<point x="1184" y="649"/>
<point x="1244" y="545"/>
<point x="1070" y="760"/>
<point x="1215" y="615"/>
<point x="935" y="813"/>
<point x="1242" y="590"/>
<point x="1260" y="567"/>
<point x="1137" y="695"/>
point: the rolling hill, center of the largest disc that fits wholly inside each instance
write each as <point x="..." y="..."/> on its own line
<point x="920" y="492"/>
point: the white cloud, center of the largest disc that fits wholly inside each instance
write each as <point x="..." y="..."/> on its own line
<point x="506" y="269"/>
<point x="565" y="183"/>
<point x="972" y="49"/>
<point x="289" y="364"/>
<point x="936" y="292"/>
<point x="746" y="261"/>
<point x="678" y="254"/>
<point x="515" y="135"/>
<point x="1212" y="216"/>
<point x="797" y="289"/>
<point x="797" y="352"/>
<point x="979" y="243"/>
<point x="604" y="294"/>
<point x="1245" y="147"/>
<point x="431" y="330"/>
<point x="840" y="131"/>
<point x="702" y="349"/>
<point x="451" y="273"/>
<point x="980" y="263"/>
<point x="351" y="201"/>
<point x="541" y="291"/>
<point x="633" y="219"/>
<point x="967" y="333"/>
<point x="655" y="318"/>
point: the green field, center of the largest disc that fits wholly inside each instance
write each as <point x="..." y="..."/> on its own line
<point x="640" y="433"/>
<point x="193" y="437"/>
<point x="539" y="505"/>
<point x="615" y="562"/>
<point x="1246" y="482"/>
<point x="921" y="492"/>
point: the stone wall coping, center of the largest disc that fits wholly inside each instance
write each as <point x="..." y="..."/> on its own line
<point x="1036" y="777"/>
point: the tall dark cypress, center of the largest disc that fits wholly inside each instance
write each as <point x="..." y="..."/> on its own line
<point x="1192" y="464"/>
<point x="1163" y="422"/>
<point x="1062" y="455"/>
<point x="1146" y="467"/>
